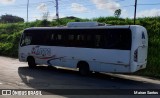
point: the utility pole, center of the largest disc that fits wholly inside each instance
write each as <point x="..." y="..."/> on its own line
<point x="27" y="9"/>
<point x="135" y="11"/>
<point x="57" y="13"/>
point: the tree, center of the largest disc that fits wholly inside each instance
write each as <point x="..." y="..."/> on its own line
<point x="117" y="13"/>
<point x="10" y="19"/>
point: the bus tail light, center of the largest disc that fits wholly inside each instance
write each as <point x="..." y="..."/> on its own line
<point x="136" y="55"/>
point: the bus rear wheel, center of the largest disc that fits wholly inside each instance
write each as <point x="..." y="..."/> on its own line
<point x="84" y="69"/>
<point x="31" y="62"/>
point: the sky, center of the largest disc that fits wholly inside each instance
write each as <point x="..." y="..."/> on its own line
<point x="79" y="8"/>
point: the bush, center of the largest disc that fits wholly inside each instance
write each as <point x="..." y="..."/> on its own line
<point x="9" y="44"/>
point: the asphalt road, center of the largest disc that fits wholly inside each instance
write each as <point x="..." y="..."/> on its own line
<point x="17" y="75"/>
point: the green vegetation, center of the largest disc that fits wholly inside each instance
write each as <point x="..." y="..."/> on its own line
<point x="10" y="35"/>
<point x="10" y="19"/>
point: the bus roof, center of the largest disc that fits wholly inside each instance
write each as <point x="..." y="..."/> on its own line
<point x="83" y="25"/>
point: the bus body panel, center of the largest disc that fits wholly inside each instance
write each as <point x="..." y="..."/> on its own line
<point x="100" y="60"/>
<point x="139" y="48"/>
<point x="103" y="60"/>
<point x="142" y="57"/>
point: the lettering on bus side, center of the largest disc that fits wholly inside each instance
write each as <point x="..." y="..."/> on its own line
<point x="143" y="35"/>
<point x="41" y="51"/>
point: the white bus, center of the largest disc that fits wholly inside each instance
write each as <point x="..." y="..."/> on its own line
<point x="87" y="46"/>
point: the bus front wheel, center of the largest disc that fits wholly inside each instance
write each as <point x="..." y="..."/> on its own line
<point x="31" y="62"/>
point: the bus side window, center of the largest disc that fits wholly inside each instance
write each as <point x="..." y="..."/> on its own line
<point x="113" y="39"/>
<point x="126" y="40"/>
<point x="71" y="40"/>
<point x="26" y="40"/>
<point x="46" y="39"/>
<point x="71" y="37"/>
<point x="118" y="39"/>
<point x="89" y="42"/>
<point x="99" y="41"/>
<point x="80" y="37"/>
<point x="56" y="37"/>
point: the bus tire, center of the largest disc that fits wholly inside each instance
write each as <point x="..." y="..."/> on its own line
<point x="31" y="62"/>
<point x="83" y="68"/>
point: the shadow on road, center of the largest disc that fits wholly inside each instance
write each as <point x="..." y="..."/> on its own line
<point x="46" y="78"/>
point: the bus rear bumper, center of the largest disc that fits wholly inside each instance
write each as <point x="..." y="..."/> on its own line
<point x="140" y="66"/>
<point x="137" y="66"/>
